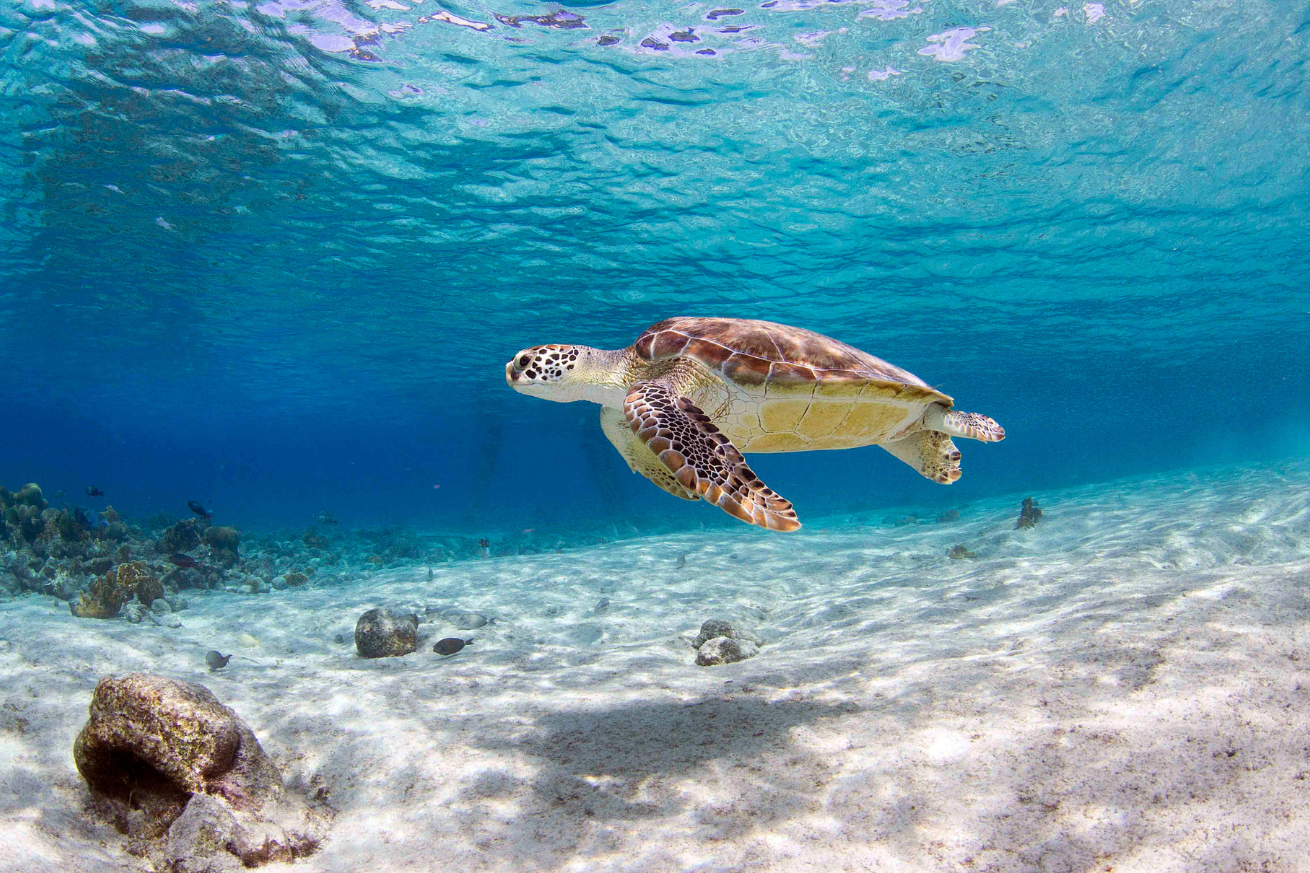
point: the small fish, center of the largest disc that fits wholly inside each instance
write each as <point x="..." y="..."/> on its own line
<point x="199" y="510"/>
<point x="602" y="604"/>
<point x="450" y="645"/>
<point x="59" y="493"/>
<point x="93" y="491"/>
<point x="215" y="660"/>
<point x="682" y="561"/>
<point x="186" y="562"/>
<point x="326" y="518"/>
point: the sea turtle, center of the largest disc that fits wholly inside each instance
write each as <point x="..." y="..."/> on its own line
<point x="691" y="394"/>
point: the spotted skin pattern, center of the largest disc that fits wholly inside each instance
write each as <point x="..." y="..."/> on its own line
<point x="547" y="362"/>
<point x="976" y="426"/>
<point x="703" y="460"/>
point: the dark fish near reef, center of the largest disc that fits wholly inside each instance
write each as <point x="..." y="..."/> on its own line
<point x="215" y="660"/>
<point x="59" y="493"/>
<point x="87" y="519"/>
<point x="93" y="491"/>
<point x="198" y="509"/>
<point x="186" y="562"/>
<point x="326" y="518"/>
<point x="450" y="645"/>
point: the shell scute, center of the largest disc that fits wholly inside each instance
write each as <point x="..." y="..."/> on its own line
<point x="749" y="351"/>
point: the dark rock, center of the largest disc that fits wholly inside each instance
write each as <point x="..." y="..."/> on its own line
<point x="948" y="516"/>
<point x="175" y="769"/>
<point x="381" y="633"/>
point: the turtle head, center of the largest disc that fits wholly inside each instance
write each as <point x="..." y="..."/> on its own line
<point x="564" y="373"/>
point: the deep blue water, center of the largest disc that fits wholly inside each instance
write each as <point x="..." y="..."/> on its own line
<point x="274" y="257"/>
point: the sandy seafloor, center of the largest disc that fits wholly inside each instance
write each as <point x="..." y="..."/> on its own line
<point x="1125" y="688"/>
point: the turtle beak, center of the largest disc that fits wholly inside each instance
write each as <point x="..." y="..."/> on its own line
<point x="511" y="375"/>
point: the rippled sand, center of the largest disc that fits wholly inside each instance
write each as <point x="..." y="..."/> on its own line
<point x="1124" y="687"/>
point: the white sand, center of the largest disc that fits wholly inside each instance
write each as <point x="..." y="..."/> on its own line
<point x="1123" y="688"/>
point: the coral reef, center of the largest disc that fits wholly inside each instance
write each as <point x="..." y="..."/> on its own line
<point x="185" y="779"/>
<point x="108" y="593"/>
<point x="67" y="551"/>
<point x="181" y="537"/>
<point x="1029" y="514"/>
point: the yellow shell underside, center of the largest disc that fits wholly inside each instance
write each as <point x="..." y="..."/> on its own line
<point x="810" y="416"/>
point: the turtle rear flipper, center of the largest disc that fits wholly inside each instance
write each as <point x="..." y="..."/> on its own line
<point x="701" y="459"/>
<point x="931" y="453"/>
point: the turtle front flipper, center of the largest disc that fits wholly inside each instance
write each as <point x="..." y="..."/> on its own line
<point x="701" y="459"/>
<point x="638" y="455"/>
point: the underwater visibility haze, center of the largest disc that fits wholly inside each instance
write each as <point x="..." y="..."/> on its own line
<point x="267" y="267"/>
<point x="275" y="255"/>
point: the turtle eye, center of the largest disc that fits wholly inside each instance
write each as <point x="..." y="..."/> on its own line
<point x="524" y="361"/>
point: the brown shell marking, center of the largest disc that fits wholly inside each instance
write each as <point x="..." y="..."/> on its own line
<point x="702" y="459"/>
<point x="750" y="352"/>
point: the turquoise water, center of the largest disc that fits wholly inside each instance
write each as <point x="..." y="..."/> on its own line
<point x="274" y="257"/>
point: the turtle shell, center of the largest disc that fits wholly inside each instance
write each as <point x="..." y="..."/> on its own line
<point x="798" y="390"/>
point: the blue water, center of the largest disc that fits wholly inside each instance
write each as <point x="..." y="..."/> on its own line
<point x="273" y="257"/>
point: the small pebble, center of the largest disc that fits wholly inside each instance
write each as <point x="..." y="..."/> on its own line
<point x="215" y="660"/>
<point x="279" y="583"/>
<point x="450" y="645"/>
<point x="722" y="650"/>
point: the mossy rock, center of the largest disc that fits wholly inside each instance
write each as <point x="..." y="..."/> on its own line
<point x="294" y="579"/>
<point x="223" y="538"/>
<point x="314" y="539"/>
<point x="30" y="495"/>
<point x="152" y="742"/>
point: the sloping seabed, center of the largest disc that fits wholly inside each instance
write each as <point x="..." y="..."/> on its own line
<point x="1123" y="686"/>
